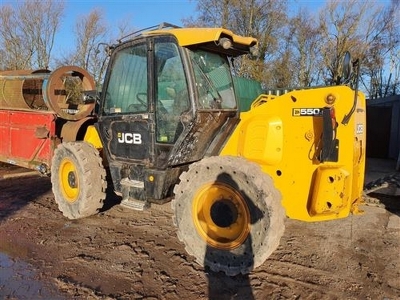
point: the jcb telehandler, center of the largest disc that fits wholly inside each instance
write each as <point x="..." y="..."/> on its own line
<point x="167" y="127"/>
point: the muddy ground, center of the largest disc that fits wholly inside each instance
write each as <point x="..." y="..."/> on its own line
<point x="120" y="254"/>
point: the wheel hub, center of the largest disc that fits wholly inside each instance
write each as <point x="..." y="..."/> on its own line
<point x="69" y="181"/>
<point x="224" y="213"/>
<point x="221" y="216"/>
<point x="72" y="179"/>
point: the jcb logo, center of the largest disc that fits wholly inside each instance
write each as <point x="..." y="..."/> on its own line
<point x="360" y="129"/>
<point x="129" y="138"/>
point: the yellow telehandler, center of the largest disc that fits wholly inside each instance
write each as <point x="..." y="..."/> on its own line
<point x="166" y="126"/>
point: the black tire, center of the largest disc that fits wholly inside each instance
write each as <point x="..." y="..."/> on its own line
<point x="78" y="179"/>
<point x="228" y="214"/>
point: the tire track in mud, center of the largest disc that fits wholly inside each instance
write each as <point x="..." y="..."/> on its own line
<point x="121" y="254"/>
<point x="134" y="258"/>
<point x="314" y="265"/>
<point x="303" y="280"/>
<point x="275" y="273"/>
<point x="163" y="254"/>
<point x="14" y="197"/>
<point x="92" y="237"/>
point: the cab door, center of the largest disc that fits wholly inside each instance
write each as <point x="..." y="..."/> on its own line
<point x="126" y="120"/>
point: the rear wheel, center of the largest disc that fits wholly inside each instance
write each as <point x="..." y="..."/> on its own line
<point x="228" y="214"/>
<point x="78" y="179"/>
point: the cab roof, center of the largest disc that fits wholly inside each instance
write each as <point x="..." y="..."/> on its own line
<point x="202" y="37"/>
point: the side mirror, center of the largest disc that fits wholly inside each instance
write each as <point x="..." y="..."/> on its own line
<point x="347" y="67"/>
<point x="91" y="96"/>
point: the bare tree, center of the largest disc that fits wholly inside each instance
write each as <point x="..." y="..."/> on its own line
<point x="16" y="52"/>
<point x="305" y="40"/>
<point x="263" y="19"/>
<point x="393" y="86"/>
<point x="381" y="66"/>
<point x="90" y="30"/>
<point x="40" y="21"/>
<point x="124" y="27"/>
<point x="212" y="13"/>
<point x="342" y="24"/>
<point x="364" y="29"/>
<point x="92" y="34"/>
<point x="28" y="31"/>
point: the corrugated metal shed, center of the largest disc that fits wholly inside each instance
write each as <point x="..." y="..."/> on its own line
<point x="383" y="127"/>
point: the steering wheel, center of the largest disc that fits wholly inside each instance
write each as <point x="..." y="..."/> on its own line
<point x="139" y="97"/>
<point x="161" y="109"/>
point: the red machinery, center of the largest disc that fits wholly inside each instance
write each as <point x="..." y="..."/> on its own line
<point x="38" y="109"/>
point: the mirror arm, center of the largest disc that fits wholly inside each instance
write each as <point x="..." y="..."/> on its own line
<point x="347" y="117"/>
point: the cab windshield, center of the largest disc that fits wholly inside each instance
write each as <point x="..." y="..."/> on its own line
<point x="213" y="80"/>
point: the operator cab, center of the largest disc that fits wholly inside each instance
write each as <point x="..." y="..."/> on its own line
<point x="163" y="106"/>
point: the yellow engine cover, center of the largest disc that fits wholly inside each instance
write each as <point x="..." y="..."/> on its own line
<point x="284" y="136"/>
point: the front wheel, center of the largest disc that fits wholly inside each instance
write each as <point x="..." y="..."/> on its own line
<point x="228" y="214"/>
<point x="78" y="179"/>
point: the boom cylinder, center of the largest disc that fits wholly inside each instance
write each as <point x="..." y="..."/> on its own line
<point x="60" y="91"/>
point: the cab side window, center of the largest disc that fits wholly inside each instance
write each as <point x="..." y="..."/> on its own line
<point x="127" y="87"/>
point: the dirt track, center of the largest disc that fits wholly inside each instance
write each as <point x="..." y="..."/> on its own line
<point x="136" y="255"/>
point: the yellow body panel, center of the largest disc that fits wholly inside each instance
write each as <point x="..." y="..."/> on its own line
<point x="283" y="135"/>
<point x="193" y="36"/>
<point x="252" y="136"/>
<point x="92" y="137"/>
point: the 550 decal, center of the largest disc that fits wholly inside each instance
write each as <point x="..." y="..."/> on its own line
<point x="306" y="112"/>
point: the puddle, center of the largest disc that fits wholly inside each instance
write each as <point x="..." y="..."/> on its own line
<point x="18" y="280"/>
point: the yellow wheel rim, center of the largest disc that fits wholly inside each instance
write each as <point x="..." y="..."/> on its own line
<point x="69" y="180"/>
<point x="221" y="216"/>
